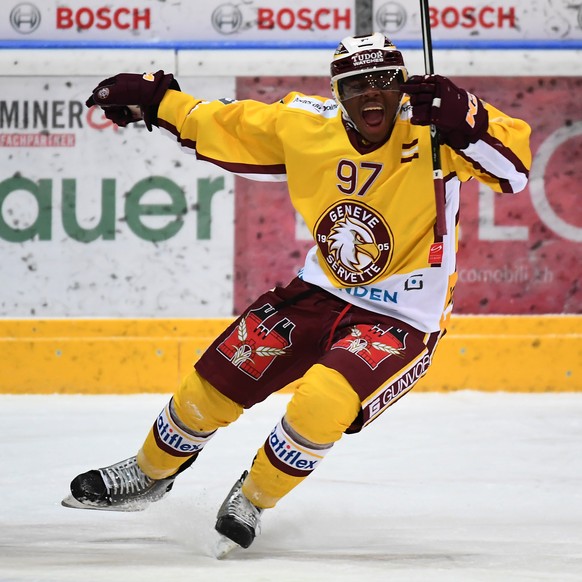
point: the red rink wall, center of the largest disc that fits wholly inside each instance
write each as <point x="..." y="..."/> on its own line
<point x="519" y="254"/>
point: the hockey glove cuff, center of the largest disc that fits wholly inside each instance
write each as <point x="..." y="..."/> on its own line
<point x="459" y="116"/>
<point x="130" y="97"/>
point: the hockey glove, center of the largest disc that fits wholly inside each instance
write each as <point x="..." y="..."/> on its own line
<point x="459" y="116"/>
<point x="130" y="97"/>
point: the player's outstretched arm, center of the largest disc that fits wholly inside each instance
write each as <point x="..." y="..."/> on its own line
<point x="130" y="97"/>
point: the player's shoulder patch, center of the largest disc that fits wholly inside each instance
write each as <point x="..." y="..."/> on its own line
<point x="312" y="104"/>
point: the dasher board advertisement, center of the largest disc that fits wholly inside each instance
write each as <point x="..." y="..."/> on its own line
<point x="150" y="20"/>
<point x="297" y="22"/>
<point x="518" y="253"/>
<point x="97" y="220"/>
<point x="477" y="22"/>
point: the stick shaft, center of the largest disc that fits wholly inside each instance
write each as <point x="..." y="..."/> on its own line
<point x="437" y="172"/>
<point x="426" y="37"/>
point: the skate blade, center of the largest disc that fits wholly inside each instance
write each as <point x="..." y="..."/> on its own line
<point x="73" y="503"/>
<point x="224" y="546"/>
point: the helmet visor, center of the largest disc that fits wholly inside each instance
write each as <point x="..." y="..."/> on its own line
<point x="355" y="85"/>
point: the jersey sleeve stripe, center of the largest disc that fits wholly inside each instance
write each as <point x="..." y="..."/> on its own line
<point x="491" y="157"/>
<point x="240" y="168"/>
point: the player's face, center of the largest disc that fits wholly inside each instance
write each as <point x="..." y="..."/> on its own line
<point x="372" y="101"/>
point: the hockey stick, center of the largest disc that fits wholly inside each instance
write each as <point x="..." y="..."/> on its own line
<point x="437" y="172"/>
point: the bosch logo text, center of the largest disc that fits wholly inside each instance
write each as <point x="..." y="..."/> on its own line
<point x="304" y="19"/>
<point x="103" y="18"/>
<point x="473" y="17"/>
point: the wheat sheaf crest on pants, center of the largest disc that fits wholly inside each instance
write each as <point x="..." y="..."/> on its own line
<point x="257" y="340"/>
<point x="373" y="343"/>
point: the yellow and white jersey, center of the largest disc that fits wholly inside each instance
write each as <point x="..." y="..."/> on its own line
<point x="372" y="210"/>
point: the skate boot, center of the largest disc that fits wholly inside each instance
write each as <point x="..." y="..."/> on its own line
<point x="119" y="487"/>
<point x="237" y="519"/>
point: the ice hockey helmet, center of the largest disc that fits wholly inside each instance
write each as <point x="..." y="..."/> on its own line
<point x="356" y="55"/>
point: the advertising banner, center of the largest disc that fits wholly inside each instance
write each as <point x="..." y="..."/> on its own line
<point x="150" y="20"/>
<point x="519" y="254"/>
<point x="299" y="22"/>
<point x="97" y="220"/>
<point x="472" y="22"/>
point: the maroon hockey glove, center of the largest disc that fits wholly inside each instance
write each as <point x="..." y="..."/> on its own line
<point x="459" y="116"/>
<point x="130" y="97"/>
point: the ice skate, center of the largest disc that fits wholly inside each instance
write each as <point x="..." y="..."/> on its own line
<point x="119" y="487"/>
<point x="237" y="521"/>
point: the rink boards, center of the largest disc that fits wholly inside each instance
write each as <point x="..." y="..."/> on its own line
<point x="518" y="255"/>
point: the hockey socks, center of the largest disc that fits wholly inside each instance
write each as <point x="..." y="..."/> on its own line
<point x="281" y="464"/>
<point x="170" y="444"/>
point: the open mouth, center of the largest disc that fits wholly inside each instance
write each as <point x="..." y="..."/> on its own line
<point x="373" y="114"/>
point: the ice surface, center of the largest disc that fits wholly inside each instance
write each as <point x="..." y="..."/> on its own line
<point x="461" y="487"/>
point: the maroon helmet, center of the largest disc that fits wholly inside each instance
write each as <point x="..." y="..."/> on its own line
<point x="373" y="57"/>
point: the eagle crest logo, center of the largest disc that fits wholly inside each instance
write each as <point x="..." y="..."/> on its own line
<point x="352" y="244"/>
<point x="355" y="242"/>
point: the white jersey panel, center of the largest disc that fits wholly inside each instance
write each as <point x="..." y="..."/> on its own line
<point x="417" y="297"/>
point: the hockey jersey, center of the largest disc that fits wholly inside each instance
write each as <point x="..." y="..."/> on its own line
<point x="371" y="211"/>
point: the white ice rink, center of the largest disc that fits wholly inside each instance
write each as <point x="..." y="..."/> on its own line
<point x="461" y="487"/>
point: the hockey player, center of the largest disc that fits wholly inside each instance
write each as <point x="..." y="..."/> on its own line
<point x="358" y="326"/>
